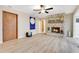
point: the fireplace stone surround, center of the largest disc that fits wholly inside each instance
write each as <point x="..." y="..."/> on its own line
<point x="55" y="30"/>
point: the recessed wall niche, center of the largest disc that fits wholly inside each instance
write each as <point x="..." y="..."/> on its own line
<point x="56" y="19"/>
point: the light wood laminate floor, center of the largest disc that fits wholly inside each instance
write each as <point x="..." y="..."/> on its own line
<point x="41" y="43"/>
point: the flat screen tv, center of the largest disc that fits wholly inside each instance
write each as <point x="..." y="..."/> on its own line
<point x="77" y="20"/>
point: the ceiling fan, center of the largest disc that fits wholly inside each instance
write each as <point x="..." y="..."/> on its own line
<point x="43" y="9"/>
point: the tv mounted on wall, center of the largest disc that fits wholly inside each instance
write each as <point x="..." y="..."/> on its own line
<point x="77" y="20"/>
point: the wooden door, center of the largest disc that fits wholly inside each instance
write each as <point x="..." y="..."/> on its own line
<point x="9" y="26"/>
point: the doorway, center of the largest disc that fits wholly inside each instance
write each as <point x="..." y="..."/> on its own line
<point x="10" y="26"/>
<point x="42" y="26"/>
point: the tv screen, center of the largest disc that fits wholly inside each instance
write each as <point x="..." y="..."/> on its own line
<point x="77" y="19"/>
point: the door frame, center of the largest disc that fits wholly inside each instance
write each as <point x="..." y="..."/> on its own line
<point x="3" y="23"/>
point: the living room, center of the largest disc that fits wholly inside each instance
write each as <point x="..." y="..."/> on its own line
<point x="59" y="21"/>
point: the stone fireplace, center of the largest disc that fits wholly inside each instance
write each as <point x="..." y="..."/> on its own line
<point x="55" y="23"/>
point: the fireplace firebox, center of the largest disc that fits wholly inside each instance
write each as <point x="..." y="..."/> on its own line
<point x="55" y="29"/>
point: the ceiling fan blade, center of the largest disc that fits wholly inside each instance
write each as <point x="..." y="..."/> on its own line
<point x="39" y="13"/>
<point x="46" y="12"/>
<point x="49" y="9"/>
<point x="36" y="9"/>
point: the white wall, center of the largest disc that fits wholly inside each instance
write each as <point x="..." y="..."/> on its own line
<point x="23" y="23"/>
<point x="75" y="24"/>
<point x="1" y="27"/>
<point x="68" y="24"/>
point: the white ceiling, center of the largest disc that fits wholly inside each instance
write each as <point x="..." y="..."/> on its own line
<point x="56" y="9"/>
